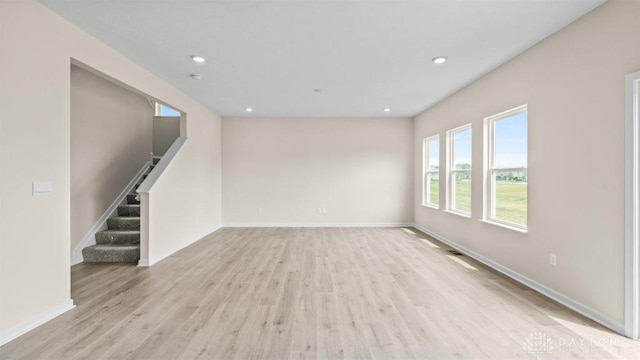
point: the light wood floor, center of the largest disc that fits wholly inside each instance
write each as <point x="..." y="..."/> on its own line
<point x="311" y="293"/>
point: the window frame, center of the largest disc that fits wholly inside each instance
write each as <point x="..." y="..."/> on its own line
<point x="452" y="171"/>
<point x="158" y="110"/>
<point x="427" y="173"/>
<point x="490" y="169"/>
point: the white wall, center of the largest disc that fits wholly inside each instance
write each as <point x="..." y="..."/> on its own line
<point x="184" y="204"/>
<point x="111" y="131"/>
<point x="358" y="169"/>
<point x="35" y="52"/>
<point x="573" y="83"/>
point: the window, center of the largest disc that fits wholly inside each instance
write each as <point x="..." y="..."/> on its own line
<point x="459" y="166"/>
<point x="431" y="171"/>
<point x="164" y="110"/>
<point x="506" y="200"/>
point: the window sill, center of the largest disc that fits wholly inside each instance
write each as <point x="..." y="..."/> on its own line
<point x="466" y="216"/>
<point x="505" y="226"/>
<point x="435" y="207"/>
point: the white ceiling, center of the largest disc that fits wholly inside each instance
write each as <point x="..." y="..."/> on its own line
<point x="364" y="55"/>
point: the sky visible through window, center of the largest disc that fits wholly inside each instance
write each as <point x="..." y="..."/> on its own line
<point x="462" y="149"/>
<point x="511" y="141"/>
<point x="434" y="154"/>
<point x="167" y="111"/>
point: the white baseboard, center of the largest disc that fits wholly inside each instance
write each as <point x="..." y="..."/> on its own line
<point x="144" y="263"/>
<point x="90" y="237"/>
<point x="35" y="321"/>
<point x="290" y="225"/>
<point x="562" y="299"/>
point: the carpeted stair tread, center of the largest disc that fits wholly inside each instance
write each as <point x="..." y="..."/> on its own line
<point x="112" y="253"/>
<point x="130" y="205"/>
<point x="118" y="237"/>
<point x="121" y="242"/>
<point x="131" y="198"/>
<point x="124" y="223"/>
<point x="129" y="210"/>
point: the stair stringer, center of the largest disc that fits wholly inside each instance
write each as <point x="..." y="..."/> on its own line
<point x="101" y="224"/>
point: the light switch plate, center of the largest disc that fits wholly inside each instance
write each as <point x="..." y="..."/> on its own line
<point x="42" y="188"/>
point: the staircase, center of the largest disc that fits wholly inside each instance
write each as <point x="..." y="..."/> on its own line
<point x="120" y="243"/>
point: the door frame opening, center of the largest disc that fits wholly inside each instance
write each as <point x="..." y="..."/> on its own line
<point x="632" y="209"/>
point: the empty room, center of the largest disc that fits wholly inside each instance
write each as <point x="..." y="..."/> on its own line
<point x="320" y="179"/>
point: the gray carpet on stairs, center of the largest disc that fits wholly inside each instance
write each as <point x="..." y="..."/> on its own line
<point x="120" y="243"/>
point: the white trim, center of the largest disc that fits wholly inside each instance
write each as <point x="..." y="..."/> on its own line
<point x="158" y="110"/>
<point x="430" y="206"/>
<point x="144" y="230"/>
<point x="315" y="225"/>
<point x="36" y="321"/>
<point x="516" y="169"/>
<point x="489" y="187"/>
<point x="632" y="207"/>
<point x="508" y="113"/>
<point x="450" y="183"/>
<point x="505" y="225"/>
<point x="562" y="299"/>
<point x="458" y="213"/>
<point x="460" y="171"/>
<point x="427" y="172"/>
<point x="144" y="263"/>
<point x="154" y="175"/>
<point x="90" y="237"/>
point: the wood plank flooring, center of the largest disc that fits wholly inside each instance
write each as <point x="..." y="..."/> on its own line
<point x="313" y="293"/>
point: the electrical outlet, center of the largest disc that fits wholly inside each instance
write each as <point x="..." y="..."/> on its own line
<point x="553" y="259"/>
<point x="319" y="210"/>
<point x="259" y="210"/>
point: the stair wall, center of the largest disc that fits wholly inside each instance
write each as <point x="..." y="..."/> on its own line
<point x="166" y="129"/>
<point x="111" y="139"/>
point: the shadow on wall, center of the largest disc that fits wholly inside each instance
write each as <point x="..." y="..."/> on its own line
<point x="166" y="129"/>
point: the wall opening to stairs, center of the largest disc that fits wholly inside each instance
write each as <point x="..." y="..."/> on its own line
<point x="110" y="141"/>
<point x="116" y="138"/>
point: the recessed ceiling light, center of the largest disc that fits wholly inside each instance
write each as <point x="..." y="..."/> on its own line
<point x="386" y="109"/>
<point x="439" y="59"/>
<point x="196" y="76"/>
<point x="248" y="109"/>
<point x="198" y="59"/>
